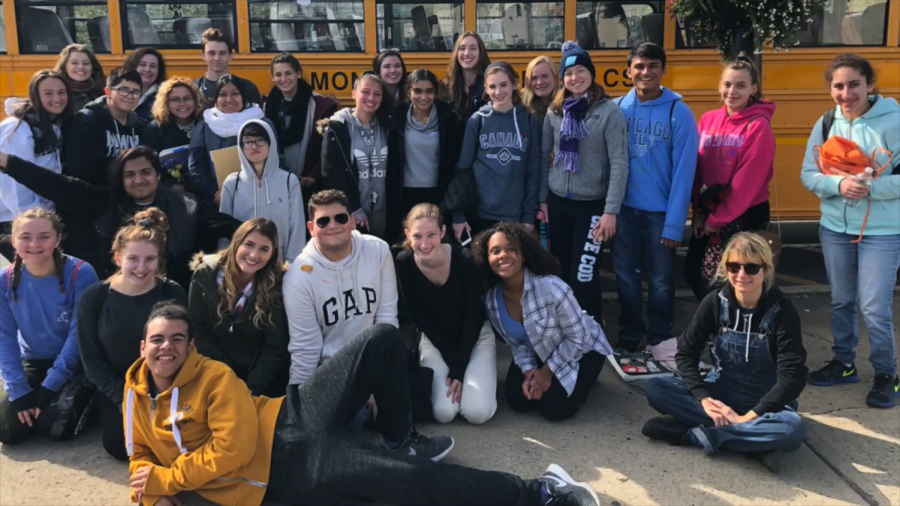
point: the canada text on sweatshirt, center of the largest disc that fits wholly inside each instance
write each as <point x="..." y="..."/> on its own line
<point x="329" y="303"/>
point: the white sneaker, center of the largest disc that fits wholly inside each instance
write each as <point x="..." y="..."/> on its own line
<point x="664" y="353"/>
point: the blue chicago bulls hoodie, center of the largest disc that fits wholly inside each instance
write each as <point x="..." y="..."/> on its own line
<point x="503" y="149"/>
<point x="95" y="139"/>
<point x="662" y="146"/>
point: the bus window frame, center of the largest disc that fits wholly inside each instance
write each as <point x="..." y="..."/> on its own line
<point x="884" y="37"/>
<point x="21" y="5"/>
<point x="126" y="36"/>
<point x="648" y="3"/>
<point x="389" y="3"/>
<point x="553" y="51"/>
<point x="363" y="51"/>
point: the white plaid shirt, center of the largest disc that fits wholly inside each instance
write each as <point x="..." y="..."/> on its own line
<point x="557" y="327"/>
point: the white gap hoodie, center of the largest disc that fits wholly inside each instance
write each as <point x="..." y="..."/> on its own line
<point x="330" y="303"/>
<point x="17" y="139"/>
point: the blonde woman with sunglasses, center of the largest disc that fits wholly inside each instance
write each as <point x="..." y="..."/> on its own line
<point x="748" y="402"/>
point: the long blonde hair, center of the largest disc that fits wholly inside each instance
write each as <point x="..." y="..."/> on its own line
<point x="752" y="248"/>
<point x="453" y="87"/>
<point x="160" y="109"/>
<point x="534" y="103"/>
<point x="266" y="281"/>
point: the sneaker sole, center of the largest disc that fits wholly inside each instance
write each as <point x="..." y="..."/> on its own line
<point x="555" y="469"/>
<point x="847" y="380"/>
<point x="438" y="458"/>
<point x="890" y="404"/>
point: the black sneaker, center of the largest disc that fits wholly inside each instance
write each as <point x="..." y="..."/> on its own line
<point x="559" y="489"/>
<point x="833" y="373"/>
<point x="417" y="445"/>
<point x="772" y="460"/>
<point x="627" y="346"/>
<point x="666" y="428"/>
<point x="884" y="392"/>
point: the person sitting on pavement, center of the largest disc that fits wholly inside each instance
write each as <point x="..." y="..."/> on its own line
<point x="341" y="284"/>
<point x="111" y="317"/>
<point x="237" y="310"/>
<point x="748" y="403"/>
<point x="101" y="210"/>
<point x="44" y="389"/>
<point x="440" y="296"/>
<point x="558" y="349"/>
<point x="233" y="448"/>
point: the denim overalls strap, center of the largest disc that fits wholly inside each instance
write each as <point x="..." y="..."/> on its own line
<point x="745" y="371"/>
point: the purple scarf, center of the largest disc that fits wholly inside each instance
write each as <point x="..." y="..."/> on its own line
<point x="571" y="131"/>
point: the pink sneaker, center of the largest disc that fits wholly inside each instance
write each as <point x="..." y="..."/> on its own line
<point x="664" y="353"/>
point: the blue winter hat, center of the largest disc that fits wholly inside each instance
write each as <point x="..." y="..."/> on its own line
<point x="573" y="54"/>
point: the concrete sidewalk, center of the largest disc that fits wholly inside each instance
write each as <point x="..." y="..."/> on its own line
<point x="852" y="454"/>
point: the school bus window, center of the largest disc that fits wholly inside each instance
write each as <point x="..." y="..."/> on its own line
<point x="612" y="25"/>
<point x="847" y="23"/>
<point x="418" y="25"/>
<point x="2" y="30"/>
<point x="175" y="24"/>
<point x="521" y="25"/>
<point x="686" y="39"/>
<point x="47" y="26"/>
<point x="307" y="25"/>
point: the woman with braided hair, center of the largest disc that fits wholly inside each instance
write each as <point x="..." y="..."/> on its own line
<point x="43" y="387"/>
<point x="112" y="314"/>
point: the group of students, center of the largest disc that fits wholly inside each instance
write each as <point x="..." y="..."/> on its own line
<point x="284" y="342"/>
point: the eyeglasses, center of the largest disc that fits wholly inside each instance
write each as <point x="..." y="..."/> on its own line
<point x="750" y="269"/>
<point x="127" y="92"/>
<point x="255" y="143"/>
<point x="181" y="100"/>
<point x="341" y="219"/>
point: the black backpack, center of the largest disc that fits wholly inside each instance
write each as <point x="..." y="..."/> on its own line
<point x="827" y="121"/>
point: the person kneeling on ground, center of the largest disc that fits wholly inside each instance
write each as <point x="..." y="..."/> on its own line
<point x="748" y="403"/>
<point x="558" y="349"/>
<point x="233" y="448"/>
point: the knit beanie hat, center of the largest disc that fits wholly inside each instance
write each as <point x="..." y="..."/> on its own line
<point x="573" y="54"/>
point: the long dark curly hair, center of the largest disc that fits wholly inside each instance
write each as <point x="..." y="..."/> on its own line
<point x="534" y="256"/>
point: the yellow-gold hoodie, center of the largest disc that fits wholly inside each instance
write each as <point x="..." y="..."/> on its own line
<point x="221" y="445"/>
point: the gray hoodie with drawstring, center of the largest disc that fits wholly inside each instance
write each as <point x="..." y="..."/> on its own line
<point x="276" y="195"/>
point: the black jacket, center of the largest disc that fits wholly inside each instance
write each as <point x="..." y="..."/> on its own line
<point x="339" y="173"/>
<point x="785" y="343"/>
<point x="99" y="211"/>
<point x="95" y="139"/>
<point x="144" y="110"/>
<point x="450" y="139"/>
<point x="161" y="138"/>
<point x="259" y="356"/>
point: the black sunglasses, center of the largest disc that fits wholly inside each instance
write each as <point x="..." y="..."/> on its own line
<point x="735" y="267"/>
<point x="341" y="219"/>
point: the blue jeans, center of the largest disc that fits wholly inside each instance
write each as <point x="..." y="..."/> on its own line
<point x="862" y="275"/>
<point x="637" y="243"/>
<point x="783" y="430"/>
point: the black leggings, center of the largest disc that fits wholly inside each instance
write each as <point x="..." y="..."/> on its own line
<point x="313" y="462"/>
<point x="113" y="432"/>
<point x="556" y="404"/>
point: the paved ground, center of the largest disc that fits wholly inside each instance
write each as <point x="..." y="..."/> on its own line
<point x="852" y="454"/>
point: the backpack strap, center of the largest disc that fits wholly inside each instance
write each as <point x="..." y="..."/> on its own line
<point x="618" y="101"/>
<point x="672" y="110"/>
<point x="8" y="276"/>
<point x="75" y="274"/>
<point x="827" y="122"/>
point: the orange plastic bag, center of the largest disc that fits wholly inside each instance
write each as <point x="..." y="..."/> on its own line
<point x="842" y="157"/>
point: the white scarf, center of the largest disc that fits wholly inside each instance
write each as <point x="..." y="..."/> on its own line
<point x="229" y="124"/>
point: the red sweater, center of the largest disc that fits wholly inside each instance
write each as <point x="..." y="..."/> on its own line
<point x="737" y="149"/>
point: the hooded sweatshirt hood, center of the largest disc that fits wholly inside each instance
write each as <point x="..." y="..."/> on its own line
<point x="877" y="128"/>
<point x="662" y="144"/>
<point x="503" y="150"/>
<point x="236" y="444"/>
<point x="276" y="195"/>
<point x="347" y="296"/>
<point x="228" y="124"/>
<point x="422" y="150"/>
<point x="369" y="150"/>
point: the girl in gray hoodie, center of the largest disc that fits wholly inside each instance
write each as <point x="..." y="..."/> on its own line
<point x="262" y="189"/>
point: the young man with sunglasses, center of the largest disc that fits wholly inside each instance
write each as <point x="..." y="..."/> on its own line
<point x="748" y="402"/>
<point x="233" y="448"/>
<point x="104" y="128"/>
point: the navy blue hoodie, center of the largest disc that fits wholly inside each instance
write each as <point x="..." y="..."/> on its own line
<point x="503" y="150"/>
<point x="95" y="139"/>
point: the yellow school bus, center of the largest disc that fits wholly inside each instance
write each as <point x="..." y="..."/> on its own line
<point x="336" y="40"/>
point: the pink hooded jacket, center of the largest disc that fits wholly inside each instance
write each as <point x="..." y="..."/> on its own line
<point x="737" y="149"/>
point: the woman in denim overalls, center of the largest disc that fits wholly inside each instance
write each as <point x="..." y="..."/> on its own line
<point x="748" y="402"/>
